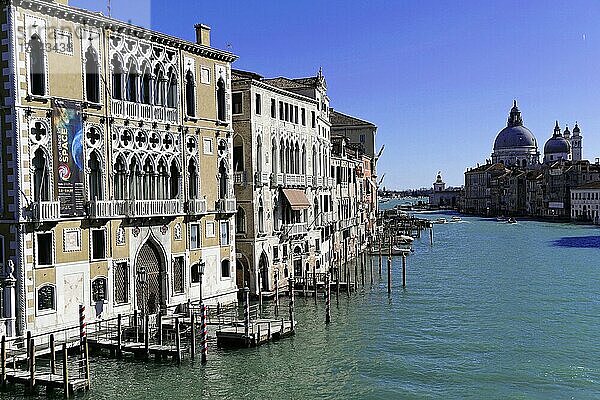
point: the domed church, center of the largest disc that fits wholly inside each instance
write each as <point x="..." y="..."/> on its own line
<point x="515" y="145"/>
<point x="563" y="146"/>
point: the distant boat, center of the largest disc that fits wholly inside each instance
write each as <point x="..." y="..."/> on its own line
<point x="403" y="239"/>
<point x="511" y="220"/>
<point x="455" y="219"/>
<point x="500" y="219"/>
<point x="399" y="250"/>
<point x="440" y="221"/>
<point x="384" y="200"/>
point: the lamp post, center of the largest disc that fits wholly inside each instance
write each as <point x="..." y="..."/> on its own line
<point x="143" y="279"/>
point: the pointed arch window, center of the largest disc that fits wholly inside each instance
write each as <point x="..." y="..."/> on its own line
<point x="274" y="157"/>
<point x="159" y="86"/>
<point x="145" y="95"/>
<point x="221" y="114"/>
<point x="259" y="157"/>
<point x="240" y="221"/>
<point x="261" y="217"/>
<point x="238" y="154"/>
<point x="174" y="180"/>
<point x="37" y="70"/>
<point x="193" y="180"/>
<point x="222" y="180"/>
<point x="163" y="181"/>
<point x="132" y="82"/>
<point x="95" y="167"/>
<point x="190" y="96"/>
<point x="172" y="92"/>
<point x="120" y="176"/>
<point x="303" y="160"/>
<point x="150" y="180"/>
<point x="92" y="76"/>
<point x="117" y="79"/>
<point x="41" y="179"/>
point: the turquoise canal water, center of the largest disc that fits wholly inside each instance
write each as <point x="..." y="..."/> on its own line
<point x="491" y="311"/>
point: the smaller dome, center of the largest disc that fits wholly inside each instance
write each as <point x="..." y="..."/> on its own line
<point x="557" y="145"/>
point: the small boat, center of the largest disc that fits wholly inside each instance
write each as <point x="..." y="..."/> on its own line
<point x="399" y="250"/>
<point x="455" y="219"/>
<point x="403" y="239"/>
<point x="511" y="220"/>
<point x="440" y="221"/>
<point x="500" y="219"/>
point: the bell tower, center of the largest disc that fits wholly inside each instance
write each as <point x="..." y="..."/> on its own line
<point x="576" y="143"/>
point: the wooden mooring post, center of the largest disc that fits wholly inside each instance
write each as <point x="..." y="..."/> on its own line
<point x="204" y="333"/>
<point x="193" y="336"/>
<point x="65" y="371"/>
<point x="431" y="235"/>
<point x="177" y="341"/>
<point x="3" y="362"/>
<point x="146" y="336"/>
<point x="315" y="282"/>
<point x="389" y="274"/>
<point x="327" y="300"/>
<point x="292" y="313"/>
<point x="52" y="355"/>
<point x="120" y="335"/>
<point x="362" y="268"/>
<point x="276" y="293"/>
<point x="403" y="269"/>
<point x="247" y="315"/>
<point x="380" y="255"/>
<point x="31" y="364"/>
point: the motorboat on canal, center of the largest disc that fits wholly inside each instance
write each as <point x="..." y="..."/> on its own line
<point x="511" y="220"/>
<point x="440" y="221"/>
<point x="455" y="218"/>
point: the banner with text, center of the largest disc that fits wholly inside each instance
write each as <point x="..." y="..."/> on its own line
<point x="68" y="140"/>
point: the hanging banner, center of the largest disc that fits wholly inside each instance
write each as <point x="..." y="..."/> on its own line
<point x="68" y="140"/>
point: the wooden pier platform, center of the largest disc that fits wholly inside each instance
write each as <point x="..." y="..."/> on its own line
<point x="260" y="331"/>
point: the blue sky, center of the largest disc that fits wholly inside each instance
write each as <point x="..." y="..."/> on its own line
<point x="437" y="77"/>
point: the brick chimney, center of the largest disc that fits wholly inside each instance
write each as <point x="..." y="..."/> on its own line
<point x="202" y="34"/>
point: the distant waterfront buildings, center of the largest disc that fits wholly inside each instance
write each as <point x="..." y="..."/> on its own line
<point x="444" y="197"/>
<point x="515" y="182"/>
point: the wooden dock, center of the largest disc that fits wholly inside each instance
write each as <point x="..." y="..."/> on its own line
<point x="260" y="331"/>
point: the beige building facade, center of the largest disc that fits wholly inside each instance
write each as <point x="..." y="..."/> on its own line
<point x="117" y="168"/>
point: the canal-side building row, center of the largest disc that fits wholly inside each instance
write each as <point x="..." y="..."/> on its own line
<point x="117" y="168"/>
<point x="515" y="182"/>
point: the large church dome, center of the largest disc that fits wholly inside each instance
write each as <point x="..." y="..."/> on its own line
<point x="515" y="134"/>
<point x="515" y="145"/>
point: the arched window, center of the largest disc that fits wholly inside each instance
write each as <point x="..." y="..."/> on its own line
<point x="190" y="94"/>
<point x="120" y="177"/>
<point x="159" y="86"/>
<point x="274" y="157"/>
<point x="117" y="79"/>
<point x="37" y="70"/>
<point x="99" y="292"/>
<point x="296" y="159"/>
<point x="174" y="180"/>
<point x="150" y="180"/>
<point x="222" y="180"/>
<point x="136" y="187"/>
<point x="195" y="273"/>
<point x="163" y="180"/>
<point x="92" y="76"/>
<point x="303" y="170"/>
<point x="221" y="114"/>
<point x="281" y="157"/>
<point x="95" y="177"/>
<point x="238" y="153"/>
<point x="240" y="221"/>
<point x="261" y="217"/>
<point x="46" y="298"/>
<point x="146" y="85"/>
<point x="132" y="82"/>
<point x="193" y="180"/>
<point x="172" y="92"/>
<point x="314" y="161"/>
<point x="259" y="158"/>
<point x="41" y="179"/>
<point x="225" y="269"/>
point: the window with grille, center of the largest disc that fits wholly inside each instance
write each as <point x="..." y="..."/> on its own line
<point x="178" y="275"/>
<point x="46" y="298"/>
<point x="121" y="283"/>
<point x="99" y="289"/>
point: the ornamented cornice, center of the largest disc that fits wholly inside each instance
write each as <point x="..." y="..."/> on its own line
<point x="97" y="19"/>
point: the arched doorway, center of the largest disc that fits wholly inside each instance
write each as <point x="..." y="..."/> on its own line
<point x="263" y="268"/>
<point x="242" y="272"/>
<point x="149" y="268"/>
